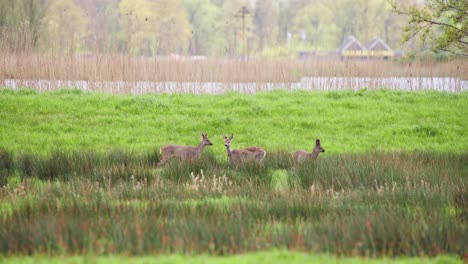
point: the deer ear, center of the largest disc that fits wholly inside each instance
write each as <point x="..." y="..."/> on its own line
<point x="224" y="136"/>
<point x="232" y="136"/>
<point x="317" y="142"/>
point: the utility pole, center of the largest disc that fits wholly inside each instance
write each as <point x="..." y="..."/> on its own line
<point x="243" y="12"/>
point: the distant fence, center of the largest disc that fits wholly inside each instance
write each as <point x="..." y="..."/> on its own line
<point x="447" y="84"/>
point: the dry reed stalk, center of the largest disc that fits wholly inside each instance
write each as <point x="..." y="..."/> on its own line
<point x="118" y="67"/>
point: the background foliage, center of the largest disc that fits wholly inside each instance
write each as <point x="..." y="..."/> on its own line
<point x="441" y="25"/>
<point x="196" y="27"/>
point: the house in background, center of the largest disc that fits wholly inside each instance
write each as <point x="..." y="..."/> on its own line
<point x="351" y="47"/>
<point x="375" y="49"/>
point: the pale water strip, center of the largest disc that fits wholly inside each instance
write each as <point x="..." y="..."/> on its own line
<point x="446" y="84"/>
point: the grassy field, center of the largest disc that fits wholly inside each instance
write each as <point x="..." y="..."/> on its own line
<point x="79" y="176"/>
<point x="346" y="122"/>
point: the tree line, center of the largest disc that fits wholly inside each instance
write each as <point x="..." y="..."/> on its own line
<point x="194" y="27"/>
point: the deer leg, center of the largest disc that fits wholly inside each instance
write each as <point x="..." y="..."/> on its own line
<point x="161" y="162"/>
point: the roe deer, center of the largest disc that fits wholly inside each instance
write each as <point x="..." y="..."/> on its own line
<point x="237" y="156"/>
<point x="183" y="152"/>
<point x="302" y="155"/>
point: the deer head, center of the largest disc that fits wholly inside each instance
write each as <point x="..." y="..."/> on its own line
<point x="227" y="140"/>
<point x="317" y="147"/>
<point x="205" y="140"/>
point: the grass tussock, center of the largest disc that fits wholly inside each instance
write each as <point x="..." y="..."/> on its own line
<point x="377" y="204"/>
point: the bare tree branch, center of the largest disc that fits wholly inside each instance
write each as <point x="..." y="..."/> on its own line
<point x="454" y="53"/>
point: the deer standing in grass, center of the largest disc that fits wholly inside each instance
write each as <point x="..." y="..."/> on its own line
<point x="187" y="153"/>
<point x="245" y="155"/>
<point x="302" y="155"/>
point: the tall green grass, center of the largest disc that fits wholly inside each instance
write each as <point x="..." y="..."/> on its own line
<point x="345" y="121"/>
<point x="379" y="204"/>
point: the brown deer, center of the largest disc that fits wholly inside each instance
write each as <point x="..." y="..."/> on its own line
<point x="188" y="153"/>
<point x="237" y="156"/>
<point x="302" y="155"/>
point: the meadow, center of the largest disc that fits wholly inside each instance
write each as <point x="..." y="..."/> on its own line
<point x="345" y="121"/>
<point x="79" y="175"/>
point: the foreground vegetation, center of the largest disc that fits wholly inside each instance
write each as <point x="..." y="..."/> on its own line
<point x="356" y="204"/>
<point x="345" y="121"/>
<point x="79" y="175"/>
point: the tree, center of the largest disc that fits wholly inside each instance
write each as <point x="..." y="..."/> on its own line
<point x="266" y="22"/>
<point x="175" y="28"/>
<point x="24" y="17"/>
<point x="441" y="24"/>
<point x="314" y="25"/>
<point x="206" y="20"/>
<point x="35" y="11"/>
<point x="236" y="42"/>
<point x="140" y="23"/>
<point x="154" y="27"/>
<point x="66" y="24"/>
<point x="103" y="24"/>
<point x="287" y="11"/>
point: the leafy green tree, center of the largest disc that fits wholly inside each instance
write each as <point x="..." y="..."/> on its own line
<point x="266" y="22"/>
<point x="66" y="26"/>
<point x="287" y="12"/>
<point x="140" y="22"/>
<point x="21" y="22"/>
<point x="206" y="20"/>
<point x="440" y="24"/>
<point x="175" y="28"/>
<point x="35" y="11"/>
<point x="154" y="27"/>
<point x="314" y="25"/>
<point x="103" y="24"/>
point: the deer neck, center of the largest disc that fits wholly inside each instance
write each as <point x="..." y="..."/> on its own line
<point x="229" y="152"/>
<point x="200" y="147"/>
<point x="314" y="154"/>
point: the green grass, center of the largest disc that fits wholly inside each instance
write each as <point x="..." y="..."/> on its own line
<point x="378" y="204"/>
<point x="345" y="121"/>
<point x="270" y="257"/>
<point x="79" y="177"/>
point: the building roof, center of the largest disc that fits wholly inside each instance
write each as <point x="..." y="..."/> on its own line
<point x="377" y="44"/>
<point x="351" y="43"/>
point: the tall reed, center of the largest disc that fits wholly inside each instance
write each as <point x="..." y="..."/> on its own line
<point x="118" y="67"/>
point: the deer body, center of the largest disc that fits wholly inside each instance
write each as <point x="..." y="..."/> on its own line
<point x="245" y="155"/>
<point x="302" y="155"/>
<point x="180" y="152"/>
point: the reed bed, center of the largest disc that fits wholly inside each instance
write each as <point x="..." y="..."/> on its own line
<point x="139" y="75"/>
<point x="31" y="66"/>
<point x="375" y="204"/>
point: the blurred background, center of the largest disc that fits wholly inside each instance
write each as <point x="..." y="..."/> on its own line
<point x="214" y="28"/>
